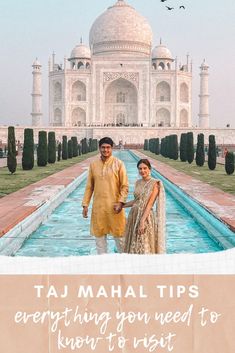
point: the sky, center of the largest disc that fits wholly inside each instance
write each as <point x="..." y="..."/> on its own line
<point x="30" y="29"/>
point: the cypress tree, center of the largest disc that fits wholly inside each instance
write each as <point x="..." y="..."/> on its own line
<point x="229" y="163"/>
<point x="64" y="148"/>
<point x="42" y="152"/>
<point x="11" y="155"/>
<point x="79" y="150"/>
<point x="146" y="145"/>
<point x="95" y="144"/>
<point x="157" y="151"/>
<point x="183" y="147"/>
<point x="167" y="146"/>
<point x="190" y="147"/>
<point x="175" y="149"/>
<point x="51" y="147"/>
<point x="200" y="153"/>
<point x="28" y="150"/>
<point x="75" y="146"/>
<point x="90" y="145"/>
<point x="59" y="152"/>
<point x="212" y="153"/>
<point x="70" y="149"/>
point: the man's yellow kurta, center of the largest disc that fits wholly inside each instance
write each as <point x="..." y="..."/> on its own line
<point x="107" y="181"/>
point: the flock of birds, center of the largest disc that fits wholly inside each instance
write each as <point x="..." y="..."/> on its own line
<point x="172" y="8"/>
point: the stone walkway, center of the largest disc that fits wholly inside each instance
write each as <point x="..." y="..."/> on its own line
<point x="17" y="206"/>
<point x="221" y="204"/>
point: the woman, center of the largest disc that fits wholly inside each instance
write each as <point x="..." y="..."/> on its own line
<point x="145" y="229"/>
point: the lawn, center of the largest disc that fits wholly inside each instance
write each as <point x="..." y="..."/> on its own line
<point x="12" y="182"/>
<point x="217" y="178"/>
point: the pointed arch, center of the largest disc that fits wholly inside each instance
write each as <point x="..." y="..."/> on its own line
<point x="57" y="91"/>
<point x="184" y="93"/>
<point x="78" y="117"/>
<point x="121" y="96"/>
<point x="57" y="121"/>
<point x="163" y="92"/>
<point x="184" y="118"/>
<point x="78" y="91"/>
<point x="163" y="117"/>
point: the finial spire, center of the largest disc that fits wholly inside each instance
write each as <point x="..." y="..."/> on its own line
<point x="160" y="41"/>
<point x="81" y="40"/>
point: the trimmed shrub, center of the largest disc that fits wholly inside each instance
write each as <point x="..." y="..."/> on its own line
<point x="229" y="163"/>
<point x="51" y="147"/>
<point x="200" y="152"/>
<point x="183" y="147"/>
<point x="212" y="153"/>
<point x="28" y="150"/>
<point x="42" y="150"/>
<point x="174" y="147"/>
<point x="157" y="150"/>
<point x="84" y="146"/>
<point x="70" y="149"/>
<point x="64" y="148"/>
<point x="79" y="149"/>
<point x="146" y="145"/>
<point x="11" y="155"/>
<point x="59" y="150"/>
<point x="190" y="147"/>
<point x="75" y="146"/>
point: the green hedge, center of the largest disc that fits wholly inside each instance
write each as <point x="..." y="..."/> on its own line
<point x="28" y="150"/>
<point x="42" y="150"/>
<point x="200" y="152"/>
<point x="212" y="153"/>
<point x="229" y="163"/>
<point x="64" y="148"/>
<point x="11" y="155"/>
<point x="51" y="147"/>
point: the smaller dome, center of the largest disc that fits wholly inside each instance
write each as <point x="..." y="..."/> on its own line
<point x="161" y="52"/>
<point x="81" y="51"/>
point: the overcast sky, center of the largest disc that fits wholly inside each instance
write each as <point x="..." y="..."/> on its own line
<point x="29" y="29"/>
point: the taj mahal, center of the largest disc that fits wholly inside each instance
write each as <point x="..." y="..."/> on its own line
<point x="120" y="80"/>
<point x="122" y="85"/>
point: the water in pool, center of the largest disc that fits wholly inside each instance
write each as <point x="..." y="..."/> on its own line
<point x="66" y="233"/>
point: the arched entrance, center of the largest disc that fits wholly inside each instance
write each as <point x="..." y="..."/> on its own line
<point x="163" y="117"/>
<point x="78" y="117"/>
<point x="121" y="103"/>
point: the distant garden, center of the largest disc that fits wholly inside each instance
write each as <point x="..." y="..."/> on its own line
<point x="48" y="150"/>
<point x="186" y="150"/>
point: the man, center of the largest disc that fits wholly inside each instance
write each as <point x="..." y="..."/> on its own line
<point x="107" y="180"/>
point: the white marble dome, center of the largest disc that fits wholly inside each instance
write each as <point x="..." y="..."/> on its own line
<point x="81" y="51"/>
<point x="161" y="52"/>
<point x="121" y="29"/>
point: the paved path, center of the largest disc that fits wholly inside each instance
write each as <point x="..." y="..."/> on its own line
<point x="17" y="206"/>
<point x="218" y="202"/>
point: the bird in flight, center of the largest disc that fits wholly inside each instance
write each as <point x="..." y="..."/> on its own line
<point x="169" y="8"/>
<point x="163" y="0"/>
<point x="182" y="7"/>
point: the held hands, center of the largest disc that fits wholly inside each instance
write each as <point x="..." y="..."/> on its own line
<point x="141" y="228"/>
<point x="117" y="207"/>
<point x="85" y="212"/>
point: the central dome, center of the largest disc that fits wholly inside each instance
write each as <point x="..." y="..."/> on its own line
<point x="121" y="29"/>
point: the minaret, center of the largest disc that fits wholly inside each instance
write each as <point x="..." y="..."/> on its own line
<point x="37" y="94"/>
<point x="204" y="97"/>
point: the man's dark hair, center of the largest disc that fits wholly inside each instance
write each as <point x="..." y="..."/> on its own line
<point x="107" y="140"/>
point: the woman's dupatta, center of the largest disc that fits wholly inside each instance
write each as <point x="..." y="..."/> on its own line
<point x="160" y="238"/>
